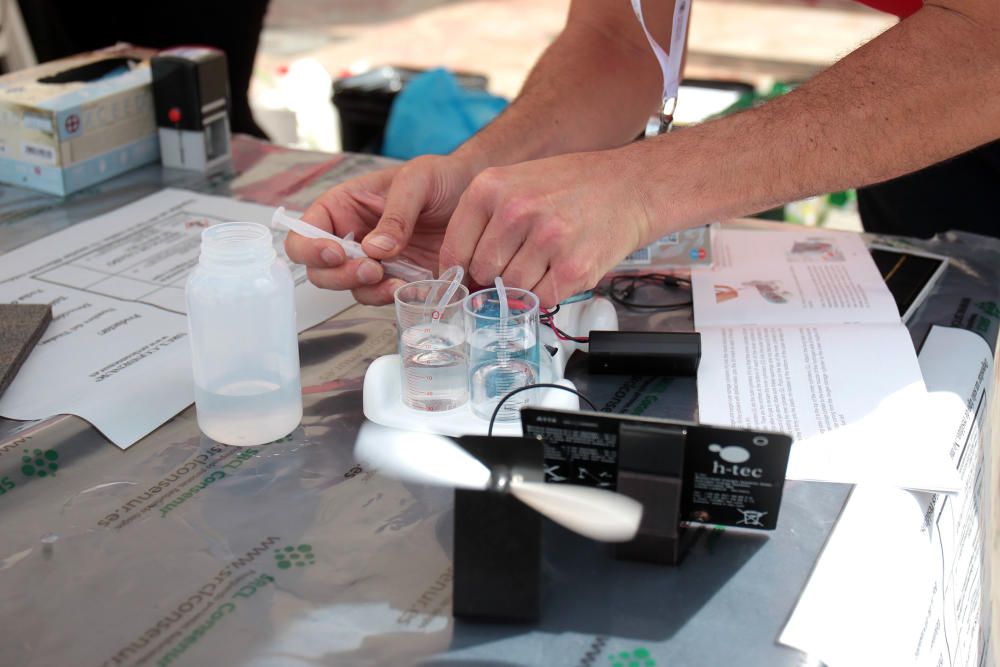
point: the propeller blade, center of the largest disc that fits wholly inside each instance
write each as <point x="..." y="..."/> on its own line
<point x="595" y="513"/>
<point x="421" y="458"/>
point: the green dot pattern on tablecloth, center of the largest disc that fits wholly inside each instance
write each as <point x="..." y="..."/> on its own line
<point x="640" y="657"/>
<point x="299" y="556"/>
<point x="39" y="464"/>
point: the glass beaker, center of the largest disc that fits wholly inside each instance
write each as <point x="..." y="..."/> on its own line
<point x="503" y="353"/>
<point x="432" y="350"/>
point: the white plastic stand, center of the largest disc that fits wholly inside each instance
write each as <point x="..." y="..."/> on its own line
<point x="383" y="392"/>
<point x="383" y="404"/>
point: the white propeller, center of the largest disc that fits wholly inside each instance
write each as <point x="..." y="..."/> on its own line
<point x="426" y="458"/>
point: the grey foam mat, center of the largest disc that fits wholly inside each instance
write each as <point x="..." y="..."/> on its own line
<point x="21" y="326"/>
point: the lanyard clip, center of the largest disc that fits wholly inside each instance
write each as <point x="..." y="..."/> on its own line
<point x="664" y="120"/>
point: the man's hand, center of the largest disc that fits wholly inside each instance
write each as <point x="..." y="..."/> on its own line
<point x="402" y="210"/>
<point x="552" y="226"/>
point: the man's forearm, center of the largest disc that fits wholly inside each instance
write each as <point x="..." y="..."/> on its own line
<point x="593" y="88"/>
<point x="926" y="90"/>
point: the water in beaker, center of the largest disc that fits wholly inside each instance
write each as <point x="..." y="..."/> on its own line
<point x="435" y="367"/>
<point x="503" y="353"/>
<point x="435" y="370"/>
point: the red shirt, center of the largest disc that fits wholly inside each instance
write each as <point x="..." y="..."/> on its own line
<point x="901" y="8"/>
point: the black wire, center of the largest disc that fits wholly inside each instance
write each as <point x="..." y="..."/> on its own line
<point x="548" y="315"/>
<point x="566" y="336"/>
<point x="623" y="295"/>
<point x="575" y="339"/>
<point x="547" y="385"/>
<point x="548" y="319"/>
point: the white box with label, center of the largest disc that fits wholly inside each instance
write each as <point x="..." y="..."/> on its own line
<point x="70" y="123"/>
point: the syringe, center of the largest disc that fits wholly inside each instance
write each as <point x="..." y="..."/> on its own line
<point x="396" y="267"/>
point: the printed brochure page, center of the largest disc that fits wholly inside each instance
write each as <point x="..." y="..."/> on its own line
<point x="827" y="362"/>
<point x="805" y="276"/>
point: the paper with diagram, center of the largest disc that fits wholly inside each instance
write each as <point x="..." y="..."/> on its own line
<point x="116" y="353"/>
<point x="805" y="276"/>
<point x="800" y="335"/>
<point x="902" y="580"/>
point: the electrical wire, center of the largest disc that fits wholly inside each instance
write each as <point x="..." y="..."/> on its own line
<point x="551" y="313"/>
<point x="562" y="335"/>
<point x="623" y="288"/>
<point x="547" y="385"/>
<point x="547" y="318"/>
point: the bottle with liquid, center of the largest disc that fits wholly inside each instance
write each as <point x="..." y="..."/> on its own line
<point x="244" y="344"/>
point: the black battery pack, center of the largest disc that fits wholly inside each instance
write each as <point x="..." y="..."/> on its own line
<point x="644" y="353"/>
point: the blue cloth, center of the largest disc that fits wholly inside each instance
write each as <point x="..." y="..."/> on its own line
<point x="433" y="114"/>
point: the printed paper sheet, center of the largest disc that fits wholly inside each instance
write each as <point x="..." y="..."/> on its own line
<point x="116" y="353"/>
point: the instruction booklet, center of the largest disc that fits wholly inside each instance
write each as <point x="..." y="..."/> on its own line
<point x="800" y="335"/>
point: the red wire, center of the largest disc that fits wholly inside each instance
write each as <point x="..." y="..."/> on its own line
<point x="547" y="319"/>
<point x="558" y="333"/>
<point x="561" y="336"/>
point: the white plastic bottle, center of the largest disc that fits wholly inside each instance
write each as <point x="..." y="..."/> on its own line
<point x="244" y="346"/>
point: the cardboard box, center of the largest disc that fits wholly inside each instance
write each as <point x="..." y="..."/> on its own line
<point x="70" y="123"/>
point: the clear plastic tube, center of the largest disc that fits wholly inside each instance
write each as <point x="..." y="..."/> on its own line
<point x="502" y="334"/>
